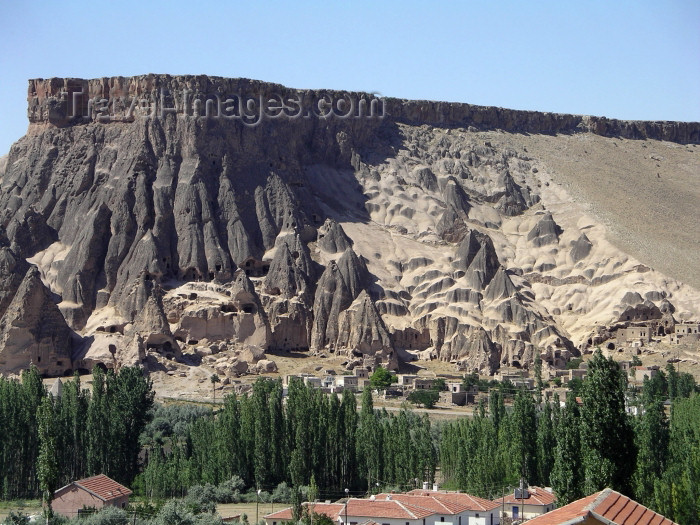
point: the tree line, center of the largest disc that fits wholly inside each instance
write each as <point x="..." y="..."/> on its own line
<point x="589" y="444"/>
<point x="311" y="439"/>
<point x="46" y="442"/>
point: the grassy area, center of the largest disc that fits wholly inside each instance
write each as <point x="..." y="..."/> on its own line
<point x="231" y="509"/>
<point x="31" y="506"/>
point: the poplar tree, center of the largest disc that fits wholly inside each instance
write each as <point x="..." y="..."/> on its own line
<point x="567" y="473"/>
<point x="524" y="435"/>
<point x="607" y="437"/>
<point x="546" y="443"/>
<point x="369" y="440"/>
<point x="47" y="462"/>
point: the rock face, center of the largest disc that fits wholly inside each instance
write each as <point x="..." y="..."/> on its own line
<point x="33" y="329"/>
<point x="163" y="216"/>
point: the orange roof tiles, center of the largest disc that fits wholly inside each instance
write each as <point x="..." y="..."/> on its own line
<point x="385" y="509"/>
<point x="458" y="498"/>
<point x="606" y="506"/>
<point x="537" y="496"/>
<point x="332" y="510"/>
<point x="427" y="502"/>
<point x="103" y="487"/>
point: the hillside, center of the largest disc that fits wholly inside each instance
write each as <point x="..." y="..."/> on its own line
<point x="477" y="236"/>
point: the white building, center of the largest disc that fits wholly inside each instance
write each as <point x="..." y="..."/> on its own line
<point x="526" y="503"/>
<point x="457" y="508"/>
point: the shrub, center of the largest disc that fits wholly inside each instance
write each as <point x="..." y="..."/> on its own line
<point x="427" y="398"/>
<point x="16" y="518"/>
<point x="282" y="494"/>
<point x="106" y="516"/>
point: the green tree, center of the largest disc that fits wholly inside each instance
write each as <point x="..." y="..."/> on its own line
<point x="347" y="422"/>
<point x="607" y="438"/>
<point x="546" y="443"/>
<point x="439" y="384"/>
<point x="214" y="379"/>
<point x="524" y="436"/>
<point x="539" y="384"/>
<point x="567" y="471"/>
<point x="369" y="440"/>
<point x="652" y="443"/>
<point x="381" y="378"/>
<point x="47" y="462"/>
<point x="427" y="398"/>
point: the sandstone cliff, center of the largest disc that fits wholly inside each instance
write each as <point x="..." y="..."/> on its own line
<point x="162" y="215"/>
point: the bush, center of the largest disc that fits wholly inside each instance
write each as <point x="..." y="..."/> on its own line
<point x="427" y="398"/>
<point x="282" y="494"/>
<point x="381" y="378"/>
<point x="201" y="498"/>
<point x="574" y="363"/>
<point x="106" y="516"/>
<point x="439" y="385"/>
<point x="16" y="518"/>
<point x="176" y="512"/>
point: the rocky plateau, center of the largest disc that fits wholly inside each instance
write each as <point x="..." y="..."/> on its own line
<point x="428" y="230"/>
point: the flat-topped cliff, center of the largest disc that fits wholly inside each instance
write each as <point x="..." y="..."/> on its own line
<point x="169" y="219"/>
<point x="71" y="101"/>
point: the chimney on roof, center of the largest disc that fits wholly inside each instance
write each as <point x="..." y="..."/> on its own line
<point x="435" y="487"/>
<point x="426" y="485"/>
<point x="388" y="497"/>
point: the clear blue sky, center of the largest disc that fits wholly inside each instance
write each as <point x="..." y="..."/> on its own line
<point x="626" y="59"/>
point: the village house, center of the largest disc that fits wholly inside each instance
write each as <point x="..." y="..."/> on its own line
<point x="685" y="332"/>
<point x="467" y="509"/>
<point x="361" y="373"/>
<point x="526" y="503"/>
<point x="568" y="375"/>
<point x="458" y="395"/>
<point x="406" y="380"/>
<point x="423" y="383"/>
<point x="418" y="507"/>
<point x="284" y="516"/>
<point x="640" y="372"/>
<point x="605" y="507"/>
<point x="95" y="492"/>
<point x="346" y="383"/>
<point x="633" y="336"/>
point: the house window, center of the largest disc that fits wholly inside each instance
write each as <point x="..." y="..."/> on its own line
<point x="516" y="513"/>
<point x="477" y="514"/>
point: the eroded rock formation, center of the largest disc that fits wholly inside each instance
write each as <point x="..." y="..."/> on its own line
<point x="158" y="222"/>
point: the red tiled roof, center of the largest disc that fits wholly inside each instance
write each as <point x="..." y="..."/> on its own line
<point x="606" y="506"/>
<point x="103" y="487"/>
<point x="468" y="501"/>
<point x="332" y="510"/>
<point x="537" y="496"/>
<point x="427" y="502"/>
<point x="366" y="508"/>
